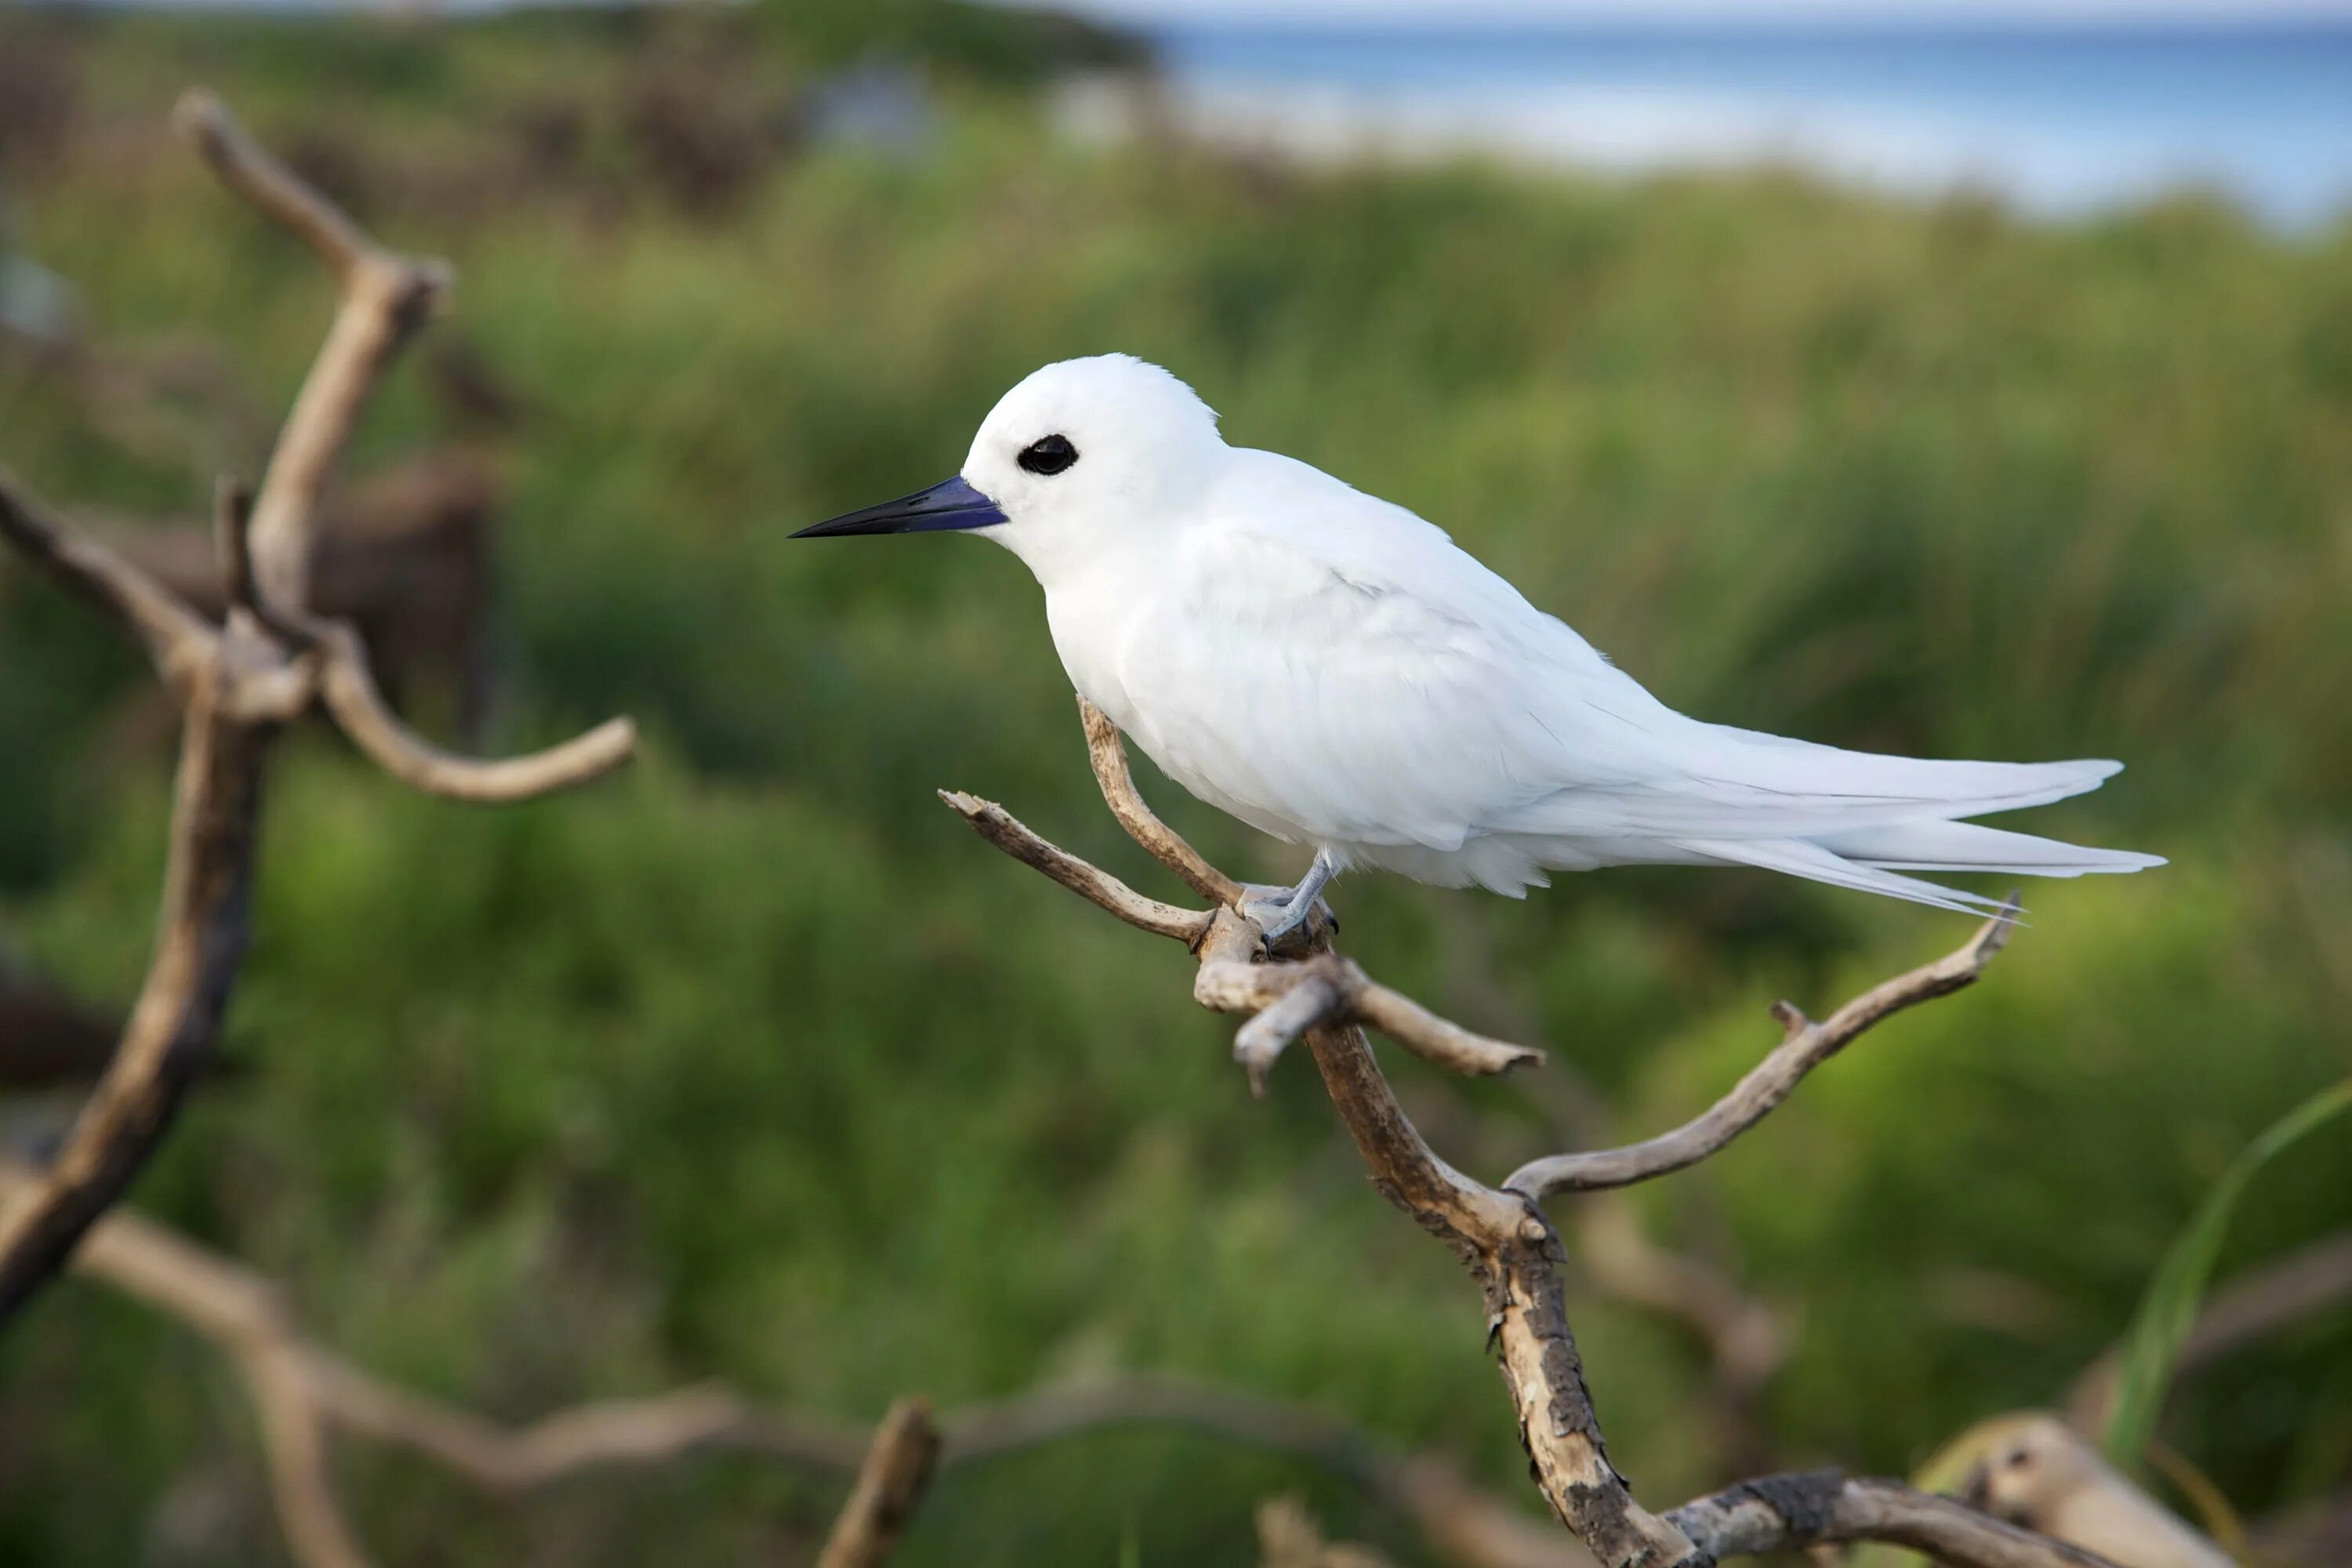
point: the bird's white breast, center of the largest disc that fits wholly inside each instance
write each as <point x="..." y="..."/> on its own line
<point x="1150" y="643"/>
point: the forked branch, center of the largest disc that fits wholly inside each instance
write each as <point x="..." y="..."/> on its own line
<point x="173" y="633"/>
<point x="1282" y="1001"/>
<point x="386" y="298"/>
<point x="237" y="685"/>
<point x="1500" y="1234"/>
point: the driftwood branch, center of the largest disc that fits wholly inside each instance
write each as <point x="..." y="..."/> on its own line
<point x="238" y="684"/>
<point x="1501" y="1237"/>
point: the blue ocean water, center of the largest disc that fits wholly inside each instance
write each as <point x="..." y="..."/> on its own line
<point x="2056" y="120"/>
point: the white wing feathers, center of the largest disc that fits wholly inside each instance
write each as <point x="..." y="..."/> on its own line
<point x="1332" y="669"/>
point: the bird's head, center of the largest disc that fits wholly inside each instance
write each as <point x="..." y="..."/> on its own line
<point x="1072" y="459"/>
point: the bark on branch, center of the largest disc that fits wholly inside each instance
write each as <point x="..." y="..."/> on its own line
<point x="1824" y="1508"/>
<point x="238" y="684"/>
<point x="1501" y="1237"/>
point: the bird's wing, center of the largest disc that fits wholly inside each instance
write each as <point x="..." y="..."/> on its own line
<point x="1335" y="662"/>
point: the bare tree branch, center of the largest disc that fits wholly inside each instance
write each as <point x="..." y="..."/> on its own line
<point x="173" y="1025"/>
<point x="610" y="1433"/>
<point x="246" y="168"/>
<point x="1291" y="998"/>
<point x="1285" y="1000"/>
<point x="301" y="1393"/>
<point x="294" y="1437"/>
<point x="239" y="685"/>
<point x="174" y="633"/>
<point x="1502" y="1237"/>
<point x="1163" y="843"/>
<point x="1781" y="1513"/>
<point x="1804" y="1046"/>
<point x="232" y="545"/>
<point x="999" y="827"/>
<point x="386" y="298"/>
<point x="349" y="690"/>
<point x="890" y="1485"/>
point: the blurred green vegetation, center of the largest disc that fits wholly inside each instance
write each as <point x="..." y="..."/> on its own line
<point x="753" y="1064"/>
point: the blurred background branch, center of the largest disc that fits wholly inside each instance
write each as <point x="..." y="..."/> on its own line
<point x="239" y="685"/>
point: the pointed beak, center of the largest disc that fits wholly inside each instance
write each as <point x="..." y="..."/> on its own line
<point x="951" y="503"/>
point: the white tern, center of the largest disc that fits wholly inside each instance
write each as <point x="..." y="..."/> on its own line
<point x="1336" y="672"/>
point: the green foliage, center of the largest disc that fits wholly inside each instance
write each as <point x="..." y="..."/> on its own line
<point x="2169" y="1310"/>
<point x="752" y="1063"/>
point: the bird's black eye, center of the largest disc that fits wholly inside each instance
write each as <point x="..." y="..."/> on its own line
<point x="1049" y="455"/>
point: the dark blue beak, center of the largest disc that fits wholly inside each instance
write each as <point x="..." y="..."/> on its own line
<point x="951" y="503"/>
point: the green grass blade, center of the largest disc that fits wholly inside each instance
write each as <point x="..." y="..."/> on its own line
<point x="2177" y="1287"/>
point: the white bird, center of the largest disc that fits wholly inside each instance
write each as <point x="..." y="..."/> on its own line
<point x="1335" y="671"/>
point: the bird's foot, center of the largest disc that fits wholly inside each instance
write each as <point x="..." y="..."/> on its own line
<point x="1289" y="916"/>
<point x="1276" y="914"/>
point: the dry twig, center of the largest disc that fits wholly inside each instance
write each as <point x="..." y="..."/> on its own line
<point x="238" y="684"/>
<point x="1500" y="1234"/>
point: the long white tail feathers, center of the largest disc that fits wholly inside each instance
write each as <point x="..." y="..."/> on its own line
<point x="1802" y="857"/>
<point x="1859" y="820"/>
<point x="1967" y="847"/>
<point x="1870" y="860"/>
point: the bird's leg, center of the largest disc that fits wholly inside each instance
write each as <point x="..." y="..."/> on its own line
<point x="1280" y="913"/>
